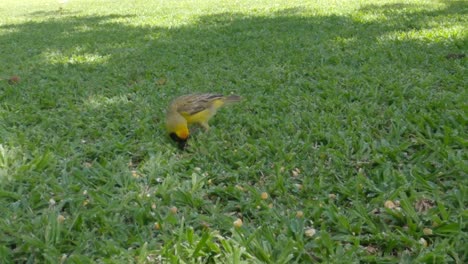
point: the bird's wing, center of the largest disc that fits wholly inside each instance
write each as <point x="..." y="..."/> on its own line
<point x="192" y="104"/>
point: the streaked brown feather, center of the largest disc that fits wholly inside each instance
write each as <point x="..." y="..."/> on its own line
<point x="192" y="104"/>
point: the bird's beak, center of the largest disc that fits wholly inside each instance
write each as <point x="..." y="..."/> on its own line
<point x="182" y="143"/>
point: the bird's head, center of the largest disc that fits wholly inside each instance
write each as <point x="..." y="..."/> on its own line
<point x="181" y="142"/>
<point x="177" y="128"/>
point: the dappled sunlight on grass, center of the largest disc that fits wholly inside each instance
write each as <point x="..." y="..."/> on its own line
<point x="430" y="36"/>
<point x="9" y="158"/>
<point x="99" y="101"/>
<point x="57" y="57"/>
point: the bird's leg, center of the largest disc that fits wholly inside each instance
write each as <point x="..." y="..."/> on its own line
<point x="205" y="125"/>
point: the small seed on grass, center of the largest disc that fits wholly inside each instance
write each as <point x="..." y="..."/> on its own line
<point x="299" y="214"/>
<point x="389" y="204"/>
<point x="427" y="231"/>
<point x="299" y="186"/>
<point x="423" y="242"/>
<point x="173" y="210"/>
<point x="85" y="202"/>
<point x="296" y="172"/>
<point x="60" y="218"/>
<point x="153" y="258"/>
<point x="264" y="195"/>
<point x="237" y="223"/>
<point x="310" y="232"/>
<point x="157" y="226"/>
<point x="240" y="188"/>
<point x="153" y="206"/>
<point x="135" y="174"/>
<point x="52" y="202"/>
<point x="332" y="196"/>
<point x="85" y="192"/>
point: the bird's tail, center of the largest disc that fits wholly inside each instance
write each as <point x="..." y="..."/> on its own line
<point x="232" y="99"/>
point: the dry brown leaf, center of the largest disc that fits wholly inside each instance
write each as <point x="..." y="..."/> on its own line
<point x="423" y="205"/>
<point x="161" y="81"/>
<point x="372" y="249"/>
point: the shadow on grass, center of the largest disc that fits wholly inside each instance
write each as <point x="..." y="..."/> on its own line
<point x="53" y="13"/>
<point x="65" y="61"/>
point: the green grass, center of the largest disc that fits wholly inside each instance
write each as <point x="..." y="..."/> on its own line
<point x="360" y="96"/>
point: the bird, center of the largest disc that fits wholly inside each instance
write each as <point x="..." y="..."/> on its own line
<point x="193" y="109"/>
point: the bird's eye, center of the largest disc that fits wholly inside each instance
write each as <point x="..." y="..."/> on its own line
<point x="174" y="137"/>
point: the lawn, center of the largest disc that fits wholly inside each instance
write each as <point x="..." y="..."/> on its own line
<point x="350" y="144"/>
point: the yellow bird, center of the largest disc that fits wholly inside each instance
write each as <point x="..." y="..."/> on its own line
<point x="193" y="108"/>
